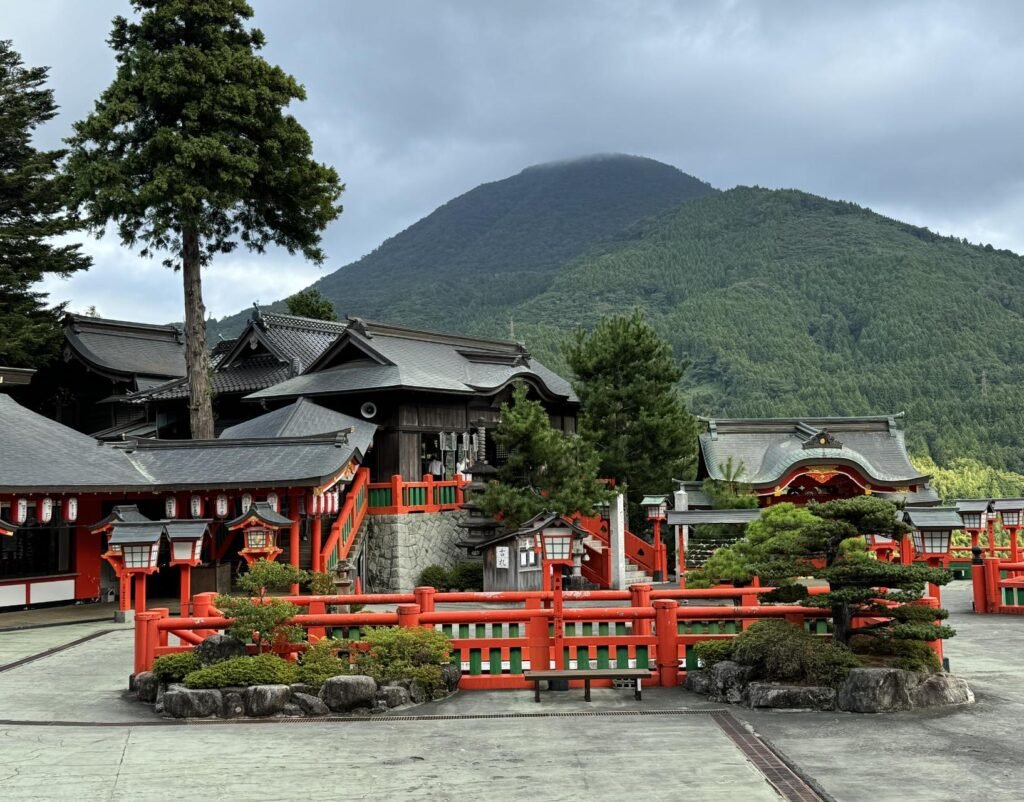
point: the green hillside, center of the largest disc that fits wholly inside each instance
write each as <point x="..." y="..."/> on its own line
<point x="785" y="303"/>
<point x="500" y="243"/>
<point x="790" y="304"/>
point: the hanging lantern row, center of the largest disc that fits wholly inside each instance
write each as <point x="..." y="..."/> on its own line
<point x="326" y="503"/>
<point x="44" y="510"/>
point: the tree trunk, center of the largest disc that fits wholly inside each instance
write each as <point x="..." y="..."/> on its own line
<point x="842" y="623"/>
<point x="197" y="360"/>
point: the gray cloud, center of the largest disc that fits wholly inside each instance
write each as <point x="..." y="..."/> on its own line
<point x="910" y="108"/>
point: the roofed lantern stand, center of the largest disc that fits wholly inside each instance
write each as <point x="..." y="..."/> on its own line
<point x="260" y="525"/>
<point x="186" y="539"/>
<point x="656" y="509"/>
<point x="139" y="546"/>
<point x="114" y="555"/>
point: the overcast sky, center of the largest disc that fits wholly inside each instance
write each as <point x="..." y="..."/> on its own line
<point x="911" y="108"/>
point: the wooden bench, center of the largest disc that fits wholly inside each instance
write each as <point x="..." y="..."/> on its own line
<point x="588" y="674"/>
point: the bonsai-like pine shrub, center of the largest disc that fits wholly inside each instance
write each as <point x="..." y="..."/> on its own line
<point x="468" y="575"/>
<point x="321" y="584"/>
<point x="436" y="576"/>
<point x="262" y="669"/>
<point x="174" y="667"/>
<point x="710" y="652"/>
<point x="263" y="619"/>
<point x="320" y="662"/>
<point x="396" y="653"/>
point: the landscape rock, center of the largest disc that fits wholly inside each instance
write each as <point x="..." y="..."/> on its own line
<point x="791" y="697"/>
<point x="147" y="686"/>
<point x="232" y="704"/>
<point x="417" y="693"/>
<point x="310" y="705"/>
<point x="394" y="695"/>
<point x="266" y="700"/>
<point x="292" y="710"/>
<point x="380" y="706"/>
<point x="728" y="682"/>
<point x="347" y="692"/>
<point x="192" y="703"/>
<point x="452" y="675"/>
<point x="302" y="687"/>
<point x="698" y="682"/>
<point x="876" y="690"/>
<point x="938" y="690"/>
<point x="218" y="648"/>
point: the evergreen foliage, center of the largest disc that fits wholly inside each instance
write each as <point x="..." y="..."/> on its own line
<point x="262" y="618"/>
<point x="395" y="653"/>
<point x="632" y="414"/>
<point x="262" y="669"/>
<point x="311" y="303"/>
<point x="189" y="152"/>
<point x="969" y="478"/>
<point x="32" y="214"/>
<point x="826" y="541"/>
<point x="546" y="471"/>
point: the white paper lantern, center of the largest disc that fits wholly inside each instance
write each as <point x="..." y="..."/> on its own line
<point x="44" y="511"/>
<point x="222" y="506"/>
<point x="71" y="509"/>
<point x="21" y="511"/>
<point x="195" y="506"/>
<point x="246" y="502"/>
<point x="171" y="507"/>
<point x="272" y="500"/>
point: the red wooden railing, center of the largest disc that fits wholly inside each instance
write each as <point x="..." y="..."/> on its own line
<point x="399" y="497"/>
<point x="494" y="646"/>
<point x="346" y="527"/>
<point x="998" y="586"/>
<point x="638" y="551"/>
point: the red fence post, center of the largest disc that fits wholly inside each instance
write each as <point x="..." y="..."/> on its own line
<point x="408" y="615"/>
<point x="640" y="596"/>
<point x="538" y="641"/>
<point x="317" y="608"/>
<point x="665" y="624"/>
<point x="425" y="598"/>
<point x="397" y="502"/>
<point x="992" y="577"/>
<point x="145" y="640"/>
<point x="978" y="583"/>
<point x="936" y="645"/>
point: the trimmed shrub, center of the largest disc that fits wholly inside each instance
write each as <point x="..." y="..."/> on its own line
<point x="263" y="669"/>
<point x="710" y="652"/>
<point x="174" y="667"/>
<point x="320" y="662"/>
<point x="436" y="576"/>
<point x="826" y="663"/>
<point x="910" y="655"/>
<point x="468" y="575"/>
<point x="781" y="652"/>
<point x="405" y="653"/>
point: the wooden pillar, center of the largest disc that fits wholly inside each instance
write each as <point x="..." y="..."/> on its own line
<point x="538" y="641"/>
<point x="140" y="594"/>
<point x="317" y="542"/>
<point x="640" y="596"/>
<point x="666" y="628"/>
<point x="293" y="536"/>
<point x="992" y="576"/>
<point x="408" y="615"/>
<point x="124" y="603"/>
<point x="186" y="590"/>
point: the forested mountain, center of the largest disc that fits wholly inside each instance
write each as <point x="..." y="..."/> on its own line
<point x="499" y="243"/>
<point x="785" y="303"/>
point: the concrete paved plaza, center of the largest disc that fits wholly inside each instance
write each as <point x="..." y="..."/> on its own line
<point x="67" y="733"/>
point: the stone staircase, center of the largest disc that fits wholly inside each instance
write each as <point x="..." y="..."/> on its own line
<point x="634" y="574"/>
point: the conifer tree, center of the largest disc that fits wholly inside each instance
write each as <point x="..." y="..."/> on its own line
<point x="311" y="303"/>
<point x="190" y="152"/>
<point x="31" y="215"/>
<point x="546" y="471"/>
<point x="632" y="414"/>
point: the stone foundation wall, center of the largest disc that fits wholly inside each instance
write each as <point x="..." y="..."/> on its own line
<point x="399" y="547"/>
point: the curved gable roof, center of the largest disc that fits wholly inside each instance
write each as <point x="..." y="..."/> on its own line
<point x="124" y="349"/>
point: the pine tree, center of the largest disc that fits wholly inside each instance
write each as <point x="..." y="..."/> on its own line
<point x="189" y="151"/>
<point x="632" y="414"/>
<point x="311" y="303"/>
<point x="546" y="471"/>
<point x="31" y="215"/>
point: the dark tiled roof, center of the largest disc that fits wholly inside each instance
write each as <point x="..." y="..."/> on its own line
<point x="925" y="496"/>
<point x="262" y="512"/>
<point x="301" y="419"/>
<point x="124" y="349"/>
<point x="244" y="376"/>
<point x="391" y="357"/>
<point x="42" y="455"/>
<point x="934" y="518"/>
<point x="768" y="449"/>
<point x="697" y="517"/>
<point x="15" y="377"/>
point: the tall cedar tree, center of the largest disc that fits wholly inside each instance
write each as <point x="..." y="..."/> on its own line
<point x="546" y="471"/>
<point x="189" y="152"/>
<point x="311" y="303"/>
<point x="826" y="541"/>
<point x="31" y="214"/>
<point x="632" y="414"/>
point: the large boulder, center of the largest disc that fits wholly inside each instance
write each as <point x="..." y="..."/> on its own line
<point x="698" y="682"/>
<point x="147" y="686"/>
<point x="418" y="692"/>
<point x="310" y="705"/>
<point x="217" y="648"/>
<point x="232" y="703"/>
<point x="791" y="697"/>
<point x="728" y="682"/>
<point x="192" y="703"/>
<point x="394" y="695"/>
<point x="876" y="690"/>
<point x="452" y="675"/>
<point x="937" y="690"/>
<point x="347" y="692"/>
<point x="266" y="700"/>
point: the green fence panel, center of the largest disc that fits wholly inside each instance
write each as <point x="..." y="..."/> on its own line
<point x="621" y="652"/>
<point x="515" y="660"/>
<point x="475" y="662"/>
<point x="495" y="667"/>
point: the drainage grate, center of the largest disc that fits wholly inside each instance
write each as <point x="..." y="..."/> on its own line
<point x="779" y="774"/>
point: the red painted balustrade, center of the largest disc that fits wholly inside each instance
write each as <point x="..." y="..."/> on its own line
<point x="998" y="586"/>
<point x="399" y="497"/>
